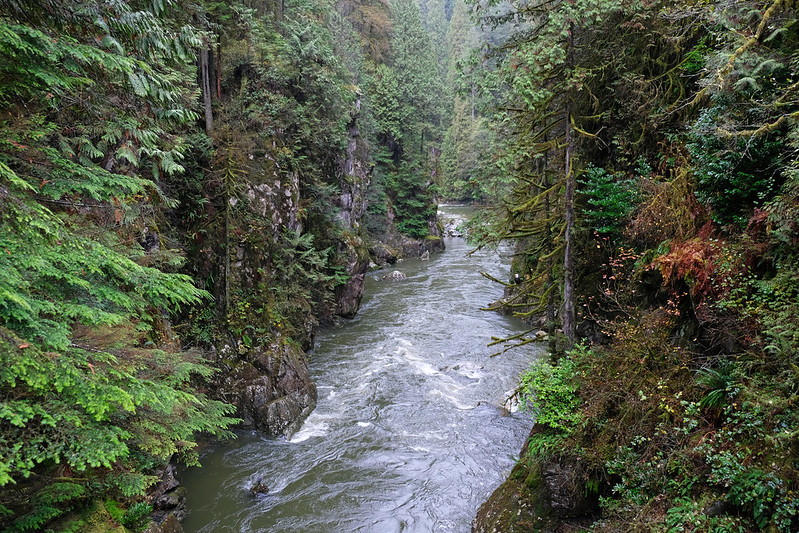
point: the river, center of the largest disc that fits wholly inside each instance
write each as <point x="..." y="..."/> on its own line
<point x="409" y="433"/>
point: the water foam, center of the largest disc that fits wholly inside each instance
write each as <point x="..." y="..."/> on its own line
<point x="314" y="426"/>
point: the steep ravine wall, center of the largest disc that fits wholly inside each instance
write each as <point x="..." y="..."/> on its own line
<point x="266" y="375"/>
<point x="269" y="303"/>
<point x="269" y="382"/>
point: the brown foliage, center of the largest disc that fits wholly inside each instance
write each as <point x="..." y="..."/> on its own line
<point x="696" y="262"/>
<point x="641" y="353"/>
<point x="717" y="273"/>
<point x="670" y="210"/>
<point x="372" y="20"/>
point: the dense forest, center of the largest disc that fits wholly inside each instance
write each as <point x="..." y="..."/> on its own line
<point x="183" y="200"/>
<point x="651" y="148"/>
<point x="189" y="188"/>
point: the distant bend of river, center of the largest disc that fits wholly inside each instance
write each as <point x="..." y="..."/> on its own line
<point x="409" y="433"/>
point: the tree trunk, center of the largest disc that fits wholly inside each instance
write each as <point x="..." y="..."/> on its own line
<point x="472" y="105"/>
<point x="541" y="166"/>
<point x="227" y="254"/>
<point x="569" y="325"/>
<point x="218" y="71"/>
<point x="550" y="325"/>
<point x="205" y="81"/>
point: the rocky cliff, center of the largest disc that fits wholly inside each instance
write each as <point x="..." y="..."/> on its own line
<point x="287" y="271"/>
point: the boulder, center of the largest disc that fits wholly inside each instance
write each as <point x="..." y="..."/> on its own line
<point x="167" y="497"/>
<point x="395" y="275"/>
<point x="271" y="387"/>
<point x="259" y="487"/>
<point x="170" y="525"/>
<point x="349" y="294"/>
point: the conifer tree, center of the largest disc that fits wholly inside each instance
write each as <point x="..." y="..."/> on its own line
<point x="415" y="64"/>
<point x="406" y="99"/>
<point x="95" y="388"/>
<point x="560" y="70"/>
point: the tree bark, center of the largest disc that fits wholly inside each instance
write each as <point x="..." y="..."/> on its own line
<point x="218" y="71"/>
<point x="550" y="247"/>
<point x="205" y="80"/>
<point x="569" y="325"/>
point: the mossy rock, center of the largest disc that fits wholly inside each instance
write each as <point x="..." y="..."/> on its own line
<point x="519" y="505"/>
<point x="541" y="495"/>
<point x="94" y="519"/>
<point x="170" y="525"/>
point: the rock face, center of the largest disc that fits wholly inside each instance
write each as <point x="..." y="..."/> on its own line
<point x="539" y="496"/>
<point x="354" y="179"/>
<point x="168" y="499"/>
<point x="349" y="294"/>
<point x="271" y="387"/>
<point x="394" y="245"/>
<point x="271" y="268"/>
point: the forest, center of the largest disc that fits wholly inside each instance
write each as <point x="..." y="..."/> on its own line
<point x="189" y="189"/>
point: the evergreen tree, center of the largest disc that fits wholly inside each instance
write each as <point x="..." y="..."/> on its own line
<point x="371" y="19"/>
<point x="468" y="143"/>
<point x="405" y="100"/>
<point x="416" y="67"/>
<point x="561" y="112"/>
<point x="437" y="27"/>
<point x="95" y="388"/>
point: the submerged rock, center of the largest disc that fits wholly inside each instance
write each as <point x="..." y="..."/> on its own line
<point x="259" y="487"/>
<point x="451" y="229"/>
<point x="395" y="275"/>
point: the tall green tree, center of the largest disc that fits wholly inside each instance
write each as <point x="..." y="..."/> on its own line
<point x="371" y="19"/>
<point x="95" y="390"/>
<point x="547" y="84"/>
<point x="468" y="142"/>
<point x="437" y="25"/>
<point x="415" y="65"/>
<point x="405" y="102"/>
<point x="568" y="74"/>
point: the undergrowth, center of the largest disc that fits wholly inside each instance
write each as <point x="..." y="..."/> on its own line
<point x="679" y="437"/>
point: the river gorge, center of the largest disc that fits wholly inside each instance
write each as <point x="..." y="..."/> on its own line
<point x="410" y="432"/>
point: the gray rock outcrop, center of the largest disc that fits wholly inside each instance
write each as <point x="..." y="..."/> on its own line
<point x="271" y="387"/>
<point x="541" y="495"/>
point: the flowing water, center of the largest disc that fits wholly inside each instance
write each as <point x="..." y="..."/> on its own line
<point x="409" y="433"/>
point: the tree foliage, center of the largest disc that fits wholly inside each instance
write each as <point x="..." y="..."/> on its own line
<point x="685" y="120"/>
<point x="405" y="104"/>
<point x="94" y="388"/>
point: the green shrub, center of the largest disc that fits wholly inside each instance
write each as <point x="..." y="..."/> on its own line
<point x="137" y="516"/>
<point x="733" y="174"/>
<point x="549" y="393"/>
<point x="611" y="199"/>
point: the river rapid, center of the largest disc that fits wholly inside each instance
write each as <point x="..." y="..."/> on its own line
<point x="409" y="433"/>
